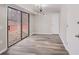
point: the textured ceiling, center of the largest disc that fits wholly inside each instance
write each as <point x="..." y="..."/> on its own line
<point x="46" y="9"/>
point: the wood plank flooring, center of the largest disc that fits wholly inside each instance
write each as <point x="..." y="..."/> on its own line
<point x="38" y="44"/>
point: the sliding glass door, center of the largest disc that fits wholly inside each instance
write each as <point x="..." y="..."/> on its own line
<point x="17" y="25"/>
<point x="14" y="26"/>
<point x="24" y="25"/>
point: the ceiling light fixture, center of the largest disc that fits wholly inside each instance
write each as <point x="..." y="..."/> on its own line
<point x="41" y="8"/>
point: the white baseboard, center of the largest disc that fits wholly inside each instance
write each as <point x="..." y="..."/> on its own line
<point x="64" y="44"/>
<point x="30" y="34"/>
<point x="3" y="50"/>
<point x="43" y="33"/>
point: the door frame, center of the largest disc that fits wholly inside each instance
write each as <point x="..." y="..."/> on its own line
<point x="21" y="25"/>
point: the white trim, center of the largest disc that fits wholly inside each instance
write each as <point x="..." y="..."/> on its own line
<point x="30" y="34"/>
<point x="3" y="50"/>
<point x="64" y="44"/>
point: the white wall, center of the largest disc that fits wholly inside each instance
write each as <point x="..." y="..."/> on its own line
<point x="47" y="24"/>
<point x="73" y="28"/>
<point x="69" y="27"/>
<point x="31" y="23"/>
<point x="63" y="25"/>
<point x="3" y="28"/>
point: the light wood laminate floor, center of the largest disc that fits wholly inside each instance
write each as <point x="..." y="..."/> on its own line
<point x="38" y="44"/>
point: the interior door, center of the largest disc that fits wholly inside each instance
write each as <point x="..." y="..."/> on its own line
<point x="55" y="23"/>
<point x="14" y="26"/>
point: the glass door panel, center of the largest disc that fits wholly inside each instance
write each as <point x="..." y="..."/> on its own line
<point x="24" y="25"/>
<point x="14" y="26"/>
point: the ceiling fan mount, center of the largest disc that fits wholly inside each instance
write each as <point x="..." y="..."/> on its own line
<point x="41" y="10"/>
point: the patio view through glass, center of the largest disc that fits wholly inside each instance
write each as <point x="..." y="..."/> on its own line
<point x="17" y="25"/>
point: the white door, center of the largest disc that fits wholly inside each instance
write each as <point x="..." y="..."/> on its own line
<point x="55" y="23"/>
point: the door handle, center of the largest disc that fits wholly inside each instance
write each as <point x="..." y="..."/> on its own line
<point x="77" y="36"/>
<point x="8" y="27"/>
